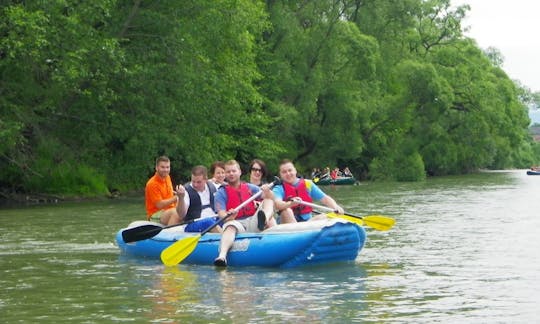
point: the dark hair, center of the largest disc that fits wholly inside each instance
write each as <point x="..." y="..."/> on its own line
<point x="264" y="171"/>
<point x="199" y="170"/>
<point x="285" y="161"/>
<point x="215" y="165"/>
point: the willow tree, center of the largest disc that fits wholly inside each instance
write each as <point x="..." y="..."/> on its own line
<point x="316" y="69"/>
<point x="484" y="119"/>
<point x="445" y="105"/>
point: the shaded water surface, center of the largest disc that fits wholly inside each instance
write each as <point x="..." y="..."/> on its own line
<point x="464" y="249"/>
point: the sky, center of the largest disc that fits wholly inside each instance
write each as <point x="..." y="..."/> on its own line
<point x="512" y="27"/>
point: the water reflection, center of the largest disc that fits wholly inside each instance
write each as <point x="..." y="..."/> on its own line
<point x="187" y="292"/>
<point x="174" y="291"/>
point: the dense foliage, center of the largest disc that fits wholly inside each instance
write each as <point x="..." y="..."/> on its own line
<point x="93" y="91"/>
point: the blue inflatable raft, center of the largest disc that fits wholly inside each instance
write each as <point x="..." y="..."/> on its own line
<point x="283" y="246"/>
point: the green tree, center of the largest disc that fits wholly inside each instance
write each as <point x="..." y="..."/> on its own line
<point x="93" y="91"/>
<point x="316" y="69"/>
<point x="55" y="65"/>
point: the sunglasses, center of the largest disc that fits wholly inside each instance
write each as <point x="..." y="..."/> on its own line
<point x="256" y="169"/>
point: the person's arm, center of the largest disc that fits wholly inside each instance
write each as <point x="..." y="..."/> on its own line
<point x="267" y="191"/>
<point x="289" y="203"/>
<point x="158" y="200"/>
<point x="317" y="194"/>
<point x="220" y="204"/>
<point x="281" y="203"/>
<point x="330" y="202"/>
<point x="166" y="202"/>
<point x="181" y="205"/>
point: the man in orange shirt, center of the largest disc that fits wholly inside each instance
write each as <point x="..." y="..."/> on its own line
<point x="160" y="199"/>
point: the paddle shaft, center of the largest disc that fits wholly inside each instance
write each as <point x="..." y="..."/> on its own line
<point x="378" y="222"/>
<point x="146" y="231"/>
<point x="325" y="208"/>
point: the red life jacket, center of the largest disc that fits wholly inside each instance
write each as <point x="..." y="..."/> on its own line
<point x="236" y="196"/>
<point x="299" y="191"/>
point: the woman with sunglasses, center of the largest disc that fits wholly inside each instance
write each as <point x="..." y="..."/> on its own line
<point x="257" y="172"/>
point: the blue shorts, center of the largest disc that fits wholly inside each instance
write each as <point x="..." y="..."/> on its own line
<point x="200" y="225"/>
<point x="303" y="217"/>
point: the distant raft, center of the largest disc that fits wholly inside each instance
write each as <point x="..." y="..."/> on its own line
<point x="282" y="246"/>
<point x="337" y="181"/>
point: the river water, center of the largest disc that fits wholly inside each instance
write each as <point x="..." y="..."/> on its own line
<point x="464" y="250"/>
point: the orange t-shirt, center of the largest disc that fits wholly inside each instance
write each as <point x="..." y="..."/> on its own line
<point x="157" y="189"/>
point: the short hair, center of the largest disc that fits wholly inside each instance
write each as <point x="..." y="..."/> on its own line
<point x="199" y="170"/>
<point x="215" y="165"/>
<point x="233" y="162"/>
<point x="162" y="158"/>
<point x="285" y="161"/>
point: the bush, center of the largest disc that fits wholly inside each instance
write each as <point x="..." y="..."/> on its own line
<point x="56" y="171"/>
<point x="408" y="168"/>
<point x="69" y="179"/>
<point x="411" y="169"/>
<point x="379" y="169"/>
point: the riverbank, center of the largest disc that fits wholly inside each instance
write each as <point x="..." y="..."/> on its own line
<point x="11" y="199"/>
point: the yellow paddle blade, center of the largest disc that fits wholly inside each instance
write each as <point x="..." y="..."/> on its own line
<point x="345" y="217"/>
<point x="179" y="250"/>
<point x="378" y="222"/>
